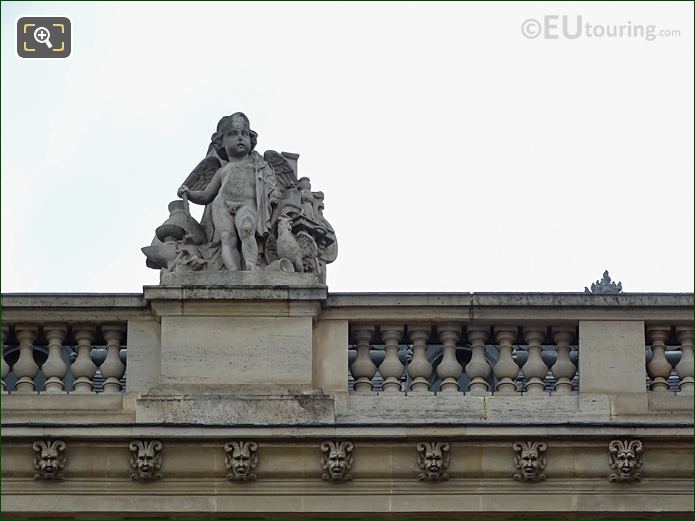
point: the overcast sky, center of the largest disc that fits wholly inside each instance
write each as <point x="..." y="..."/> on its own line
<point x="455" y="153"/>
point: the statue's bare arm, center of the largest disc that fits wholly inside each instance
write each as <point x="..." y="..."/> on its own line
<point x="203" y="196"/>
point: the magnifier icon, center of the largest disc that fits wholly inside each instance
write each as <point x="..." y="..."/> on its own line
<point x="43" y="35"/>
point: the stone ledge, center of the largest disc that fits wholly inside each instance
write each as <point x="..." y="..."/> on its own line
<point x="512" y="299"/>
<point x="67" y="408"/>
<point x="248" y="292"/>
<point x="233" y="410"/>
<point x="516" y="410"/>
<point x="586" y="431"/>
<point x="288" y="407"/>
<point x="72" y="300"/>
<point x="312" y="498"/>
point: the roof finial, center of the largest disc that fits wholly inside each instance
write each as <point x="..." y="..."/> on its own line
<point x="605" y="285"/>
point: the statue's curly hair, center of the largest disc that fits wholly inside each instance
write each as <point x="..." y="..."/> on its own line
<point x="222" y="126"/>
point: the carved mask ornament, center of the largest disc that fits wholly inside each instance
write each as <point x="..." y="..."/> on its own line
<point x="336" y="461"/>
<point x="530" y="460"/>
<point x="626" y="459"/>
<point x="49" y="459"/>
<point x="145" y="459"/>
<point x="241" y="459"/>
<point x="433" y="460"/>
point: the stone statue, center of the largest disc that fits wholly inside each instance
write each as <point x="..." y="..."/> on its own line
<point x="258" y="216"/>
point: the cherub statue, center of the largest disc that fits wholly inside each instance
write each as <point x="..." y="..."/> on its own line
<point x="258" y="215"/>
<point x="242" y="192"/>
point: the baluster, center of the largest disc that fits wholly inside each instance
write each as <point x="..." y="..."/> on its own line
<point x="563" y="369"/>
<point x="658" y="368"/>
<point x="506" y="369"/>
<point x="534" y="369"/>
<point x="419" y="369"/>
<point x="391" y="368"/>
<point x="83" y="369"/>
<point x="25" y="368"/>
<point x="449" y="370"/>
<point x="112" y="368"/>
<point x="5" y="366"/>
<point x="685" y="365"/>
<point x="362" y="368"/>
<point x="54" y="368"/>
<point x="478" y="369"/>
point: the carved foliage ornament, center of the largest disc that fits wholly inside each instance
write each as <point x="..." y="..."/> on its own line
<point x="626" y="460"/>
<point x="530" y="460"/>
<point x="433" y="460"/>
<point x="605" y="285"/>
<point x="241" y="458"/>
<point x="49" y="459"/>
<point x="145" y="460"/>
<point x="336" y="460"/>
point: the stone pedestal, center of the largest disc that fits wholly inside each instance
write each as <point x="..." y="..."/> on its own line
<point x="225" y="354"/>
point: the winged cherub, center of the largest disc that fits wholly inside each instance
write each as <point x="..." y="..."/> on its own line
<point x="243" y="192"/>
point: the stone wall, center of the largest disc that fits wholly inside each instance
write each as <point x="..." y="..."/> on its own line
<point x="592" y="418"/>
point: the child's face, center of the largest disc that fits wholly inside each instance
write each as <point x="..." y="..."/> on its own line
<point x="236" y="141"/>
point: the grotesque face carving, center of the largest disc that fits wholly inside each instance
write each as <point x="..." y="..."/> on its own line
<point x="529" y="460"/>
<point x="49" y="459"/>
<point x="433" y="461"/>
<point x="241" y="458"/>
<point x="145" y="459"/>
<point x="336" y="461"/>
<point x="626" y="459"/>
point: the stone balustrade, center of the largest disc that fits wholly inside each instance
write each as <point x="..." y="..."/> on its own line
<point x="400" y="344"/>
<point x="463" y="358"/>
<point x="66" y="344"/>
<point x="59" y="358"/>
<point x="669" y="358"/>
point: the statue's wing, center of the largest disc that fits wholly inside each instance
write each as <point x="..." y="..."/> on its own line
<point x="202" y="174"/>
<point x="284" y="173"/>
<point x="307" y="244"/>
